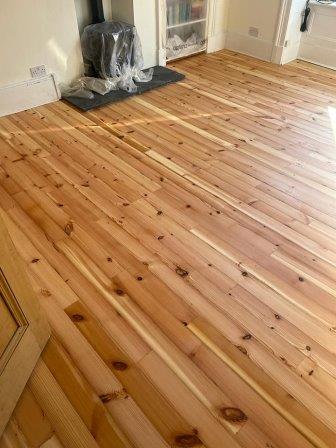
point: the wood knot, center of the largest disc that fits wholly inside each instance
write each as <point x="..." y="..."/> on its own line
<point x="186" y="440"/>
<point x="77" y="318"/>
<point x="35" y="260"/>
<point x="245" y="274"/>
<point x="181" y="272"/>
<point x="301" y="279"/>
<point x="234" y="415"/>
<point x="105" y="398"/>
<point x="160" y="212"/>
<point x="120" y="292"/>
<point x="139" y="278"/>
<point x="277" y="316"/>
<point x="45" y="292"/>
<point x="68" y="229"/>
<point x="247" y="337"/>
<point x="117" y="395"/>
<point x="119" y="365"/>
<point x="242" y="349"/>
<point x="160" y="237"/>
<point x="109" y="259"/>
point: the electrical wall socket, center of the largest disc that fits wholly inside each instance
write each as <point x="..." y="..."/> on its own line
<point x="254" y="32"/>
<point x="38" y="71"/>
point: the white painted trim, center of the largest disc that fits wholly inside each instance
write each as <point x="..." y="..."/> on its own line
<point x="216" y="42"/>
<point x="284" y="13"/>
<point x="317" y="63"/>
<point x="28" y="94"/>
<point x="252" y="46"/>
<point x="281" y="30"/>
<point x="318" y="54"/>
<point x="290" y="53"/>
<point x="318" y="45"/>
<point x="161" y="33"/>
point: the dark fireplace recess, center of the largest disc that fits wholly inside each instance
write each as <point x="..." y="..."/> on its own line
<point x="97" y="11"/>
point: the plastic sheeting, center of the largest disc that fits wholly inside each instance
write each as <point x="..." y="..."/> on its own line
<point x="114" y="50"/>
<point x="177" y="47"/>
<point x="85" y="86"/>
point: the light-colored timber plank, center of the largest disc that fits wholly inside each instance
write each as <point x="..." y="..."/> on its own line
<point x="188" y="234"/>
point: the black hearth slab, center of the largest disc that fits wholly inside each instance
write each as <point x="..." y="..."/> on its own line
<point x="161" y="77"/>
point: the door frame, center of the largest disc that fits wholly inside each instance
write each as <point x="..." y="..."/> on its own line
<point x="24" y="349"/>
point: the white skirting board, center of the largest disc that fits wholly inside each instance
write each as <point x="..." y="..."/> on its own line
<point x="27" y="94"/>
<point x="252" y="46"/>
<point x="318" y="54"/>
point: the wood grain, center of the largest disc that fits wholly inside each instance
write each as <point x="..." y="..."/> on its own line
<point x="182" y="245"/>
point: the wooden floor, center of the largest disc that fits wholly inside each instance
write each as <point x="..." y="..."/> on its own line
<point x="183" y="247"/>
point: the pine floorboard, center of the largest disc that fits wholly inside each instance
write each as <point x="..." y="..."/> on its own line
<point x="183" y="247"/>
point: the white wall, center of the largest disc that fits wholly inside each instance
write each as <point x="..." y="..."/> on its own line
<point x="318" y="44"/>
<point x="36" y="32"/>
<point x="145" y="16"/>
<point x="83" y="11"/>
<point x="260" y="14"/>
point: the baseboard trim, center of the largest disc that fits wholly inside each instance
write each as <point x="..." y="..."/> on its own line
<point x="28" y="94"/>
<point x="318" y="55"/>
<point x="316" y="63"/>
<point x="251" y="46"/>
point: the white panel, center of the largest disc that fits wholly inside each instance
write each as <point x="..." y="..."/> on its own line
<point x="318" y="44"/>
<point x="147" y="27"/>
<point x="218" y="21"/>
<point x="25" y="95"/>
<point x="323" y="26"/>
<point x="258" y="48"/>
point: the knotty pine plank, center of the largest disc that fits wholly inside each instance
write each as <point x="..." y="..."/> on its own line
<point x="188" y="235"/>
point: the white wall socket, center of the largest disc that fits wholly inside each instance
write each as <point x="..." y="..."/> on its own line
<point x="253" y="31"/>
<point x="38" y="71"/>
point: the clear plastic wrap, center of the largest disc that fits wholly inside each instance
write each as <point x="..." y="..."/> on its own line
<point x="114" y="50"/>
<point x="99" y="85"/>
<point x="84" y="86"/>
<point x="77" y="89"/>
